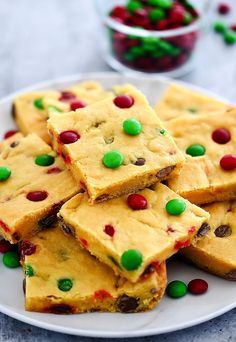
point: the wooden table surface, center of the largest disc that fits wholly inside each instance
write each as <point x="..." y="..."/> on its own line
<point x="44" y="39"/>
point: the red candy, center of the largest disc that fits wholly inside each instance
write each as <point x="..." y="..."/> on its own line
<point x="83" y="242"/>
<point x="221" y="136"/>
<point x="223" y="8"/>
<point x="27" y="248"/>
<point x="228" y="162"/>
<point x="109" y="230"/>
<point x="120" y="12"/>
<point x="177" y="14"/>
<point x="137" y="202"/>
<point x="77" y="104"/>
<point x="67" y="96"/>
<point x="101" y="295"/>
<point x="4" y="226"/>
<point x="53" y="170"/>
<point x="68" y="137"/>
<point x="10" y="133"/>
<point x="197" y="286"/>
<point x="233" y="27"/>
<point x="5" y="246"/>
<point x="37" y="196"/>
<point x="123" y="101"/>
<point x="181" y="244"/>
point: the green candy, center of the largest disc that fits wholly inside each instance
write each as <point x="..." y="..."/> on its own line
<point x="175" y="52"/>
<point x="163" y="131"/>
<point x="113" y="159"/>
<point x="158" y="54"/>
<point x="230" y="37"/>
<point x="176" y="289"/>
<point x="175" y="207"/>
<point x="38" y="103"/>
<point x="196" y="150"/>
<point x="219" y="27"/>
<point x="129" y="57"/>
<point x="44" y="160"/>
<point x="165" y="46"/>
<point x="132" y="126"/>
<point x="156" y="14"/>
<point x="165" y="4"/>
<point x="136" y="51"/>
<point x="131" y="259"/>
<point x="53" y="109"/>
<point x="5" y="173"/>
<point x="29" y="272"/>
<point x="133" y="5"/>
<point x="65" y="284"/>
<point x="188" y="18"/>
<point x="11" y="259"/>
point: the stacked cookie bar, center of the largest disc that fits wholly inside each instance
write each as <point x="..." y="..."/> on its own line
<point x="97" y="215"/>
<point x="207" y="137"/>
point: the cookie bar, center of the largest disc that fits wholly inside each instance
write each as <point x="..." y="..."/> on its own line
<point x="33" y="185"/>
<point x="115" y="146"/>
<point x="209" y="141"/>
<point x="178" y="100"/>
<point x="132" y="232"/>
<point x="213" y="248"/>
<point x="31" y="110"/>
<point x="63" y="278"/>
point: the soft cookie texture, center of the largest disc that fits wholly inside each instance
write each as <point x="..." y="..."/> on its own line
<point x="178" y="101"/>
<point x="115" y="146"/>
<point x="213" y="248"/>
<point x="33" y="185"/>
<point x="209" y="142"/>
<point x="63" y="278"/>
<point x="31" y="110"/>
<point x="132" y="232"/>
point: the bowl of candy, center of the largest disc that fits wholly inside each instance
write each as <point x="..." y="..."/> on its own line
<point x="150" y="36"/>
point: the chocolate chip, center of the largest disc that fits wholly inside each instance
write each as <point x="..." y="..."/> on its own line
<point x="102" y="198"/>
<point x="16" y="237"/>
<point x="149" y="270"/>
<point x="67" y="229"/>
<point x="24" y="286"/>
<point x="223" y="231"/>
<point x="60" y="309"/>
<point x="203" y="230"/>
<point x="14" y="144"/>
<point x="127" y="304"/>
<point x="51" y="218"/>
<point x="231" y="275"/>
<point x="165" y="172"/>
<point x="13" y="111"/>
<point x="140" y="161"/>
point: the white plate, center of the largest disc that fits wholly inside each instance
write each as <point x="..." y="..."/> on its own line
<point x="170" y="315"/>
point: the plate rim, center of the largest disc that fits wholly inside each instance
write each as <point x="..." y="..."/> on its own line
<point x="103" y="333"/>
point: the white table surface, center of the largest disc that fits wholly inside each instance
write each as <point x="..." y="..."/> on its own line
<point x="45" y="39"/>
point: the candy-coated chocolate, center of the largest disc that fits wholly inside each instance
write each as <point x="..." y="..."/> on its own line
<point x="196" y="150"/>
<point x="38" y="103"/>
<point x="29" y="272"/>
<point x="6" y="246"/>
<point x="131" y="259"/>
<point x="77" y="104"/>
<point x="37" y="196"/>
<point x="44" y="160"/>
<point x="11" y="259"/>
<point x="65" y="284"/>
<point x="137" y="202"/>
<point x="133" y="5"/>
<point x="109" y="230"/>
<point x="156" y="14"/>
<point x="5" y="173"/>
<point x="10" y="133"/>
<point x="113" y="159"/>
<point x="228" y="162"/>
<point x="230" y="37"/>
<point x="175" y="206"/>
<point x="68" y="137"/>
<point x="223" y="8"/>
<point x="67" y="96"/>
<point x="219" y="27"/>
<point x="197" y="286"/>
<point x="166" y="4"/>
<point x="221" y="135"/>
<point x="123" y="101"/>
<point x="132" y="126"/>
<point x="176" y="289"/>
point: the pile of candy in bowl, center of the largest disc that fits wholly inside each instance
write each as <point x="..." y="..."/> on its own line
<point x="166" y="34"/>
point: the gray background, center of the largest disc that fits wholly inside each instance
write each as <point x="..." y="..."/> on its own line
<point x="44" y="39"/>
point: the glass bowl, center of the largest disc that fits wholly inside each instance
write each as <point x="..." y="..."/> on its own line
<point x="126" y="48"/>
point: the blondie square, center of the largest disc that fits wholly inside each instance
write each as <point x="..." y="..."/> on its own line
<point x="33" y="185"/>
<point x="178" y="100"/>
<point x="209" y="143"/>
<point x="31" y="110"/>
<point x="63" y="278"/>
<point x="115" y="146"/>
<point x="213" y="248"/>
<point x="132" y="233"/>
